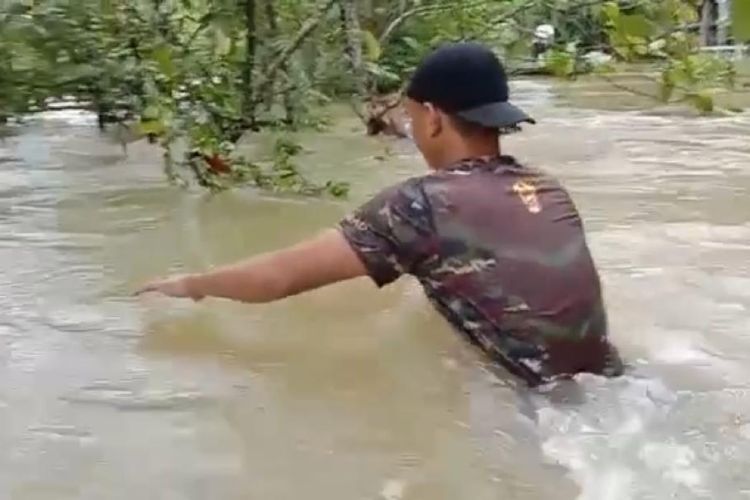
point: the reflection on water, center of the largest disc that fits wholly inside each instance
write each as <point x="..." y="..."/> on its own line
<point x="349" y="392"/>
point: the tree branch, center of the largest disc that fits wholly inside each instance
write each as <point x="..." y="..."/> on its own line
<point x="293" y="46"/>
<point x="203" y="23"/>
<point x="353" y="46"/>
<point x="625" y="88"/>
<point x="416" y="11"/>
<point x="401" y="19"/>
<point x="248" y="101"/>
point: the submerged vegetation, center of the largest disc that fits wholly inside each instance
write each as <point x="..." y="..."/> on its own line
<point x="195" y="76"/>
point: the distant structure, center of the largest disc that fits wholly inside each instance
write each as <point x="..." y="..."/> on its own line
<point x="715" y="29"/>
<point x="716" y="19"/>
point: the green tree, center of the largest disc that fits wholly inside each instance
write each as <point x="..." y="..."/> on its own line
<point x="196" y="75"/>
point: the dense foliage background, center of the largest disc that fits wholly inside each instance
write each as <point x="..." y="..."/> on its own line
<point x="195" y="75"/>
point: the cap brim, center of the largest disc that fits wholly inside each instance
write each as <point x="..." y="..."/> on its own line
<point x="496" y="115"/>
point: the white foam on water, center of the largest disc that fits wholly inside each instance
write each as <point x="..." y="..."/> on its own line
<point x="69" y="116"/>
<point x="616" y="443"/>
<point x="675" y="461"/>
<point x="680" y="350"/>
<point x="393" y="490"/>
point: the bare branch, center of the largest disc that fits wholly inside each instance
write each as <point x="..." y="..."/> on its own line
<point x="625" y="88"/>
<point x="400" y="20"/>
<point x="293" y="46"/>
<point x="423" y="9"/>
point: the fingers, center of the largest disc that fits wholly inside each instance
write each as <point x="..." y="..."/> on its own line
<point x="149" y="288"/>
<point x="171" y="287"/>
<point x="142" y="291"/>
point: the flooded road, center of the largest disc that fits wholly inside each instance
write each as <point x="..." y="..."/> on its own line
<point x="352" y="393"/>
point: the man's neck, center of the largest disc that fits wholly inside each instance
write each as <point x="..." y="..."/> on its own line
<point x="466" y="151"/>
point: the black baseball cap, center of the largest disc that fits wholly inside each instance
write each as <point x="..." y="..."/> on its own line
<point x="466" y="79"/>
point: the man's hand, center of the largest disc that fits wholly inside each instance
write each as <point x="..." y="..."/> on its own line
<point x="176" y="286"/>
<point x="322" y="260"/>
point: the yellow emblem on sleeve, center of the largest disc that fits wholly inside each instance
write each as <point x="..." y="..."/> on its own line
<point x="527" y="192"/>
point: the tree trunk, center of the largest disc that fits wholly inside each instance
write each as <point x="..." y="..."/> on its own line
<point x="162" y="21"/>
<point x="273" y="31"/>
<point x="706" y="22"/>
<point x="273" y="34"/>
<point x="352" y="32"/>
<point x="248" y="101"/>
<point x="100" y="107"/>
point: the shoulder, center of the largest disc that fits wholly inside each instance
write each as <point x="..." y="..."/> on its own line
<point x="413" y="187"/>
<point x="403" y="196"/>
<point x="390" y="231"/>
<point x="408" y="202"/>
<point x="400" y="204"/>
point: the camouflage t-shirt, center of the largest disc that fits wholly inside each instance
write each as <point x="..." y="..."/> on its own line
<point x="500" y="251"/>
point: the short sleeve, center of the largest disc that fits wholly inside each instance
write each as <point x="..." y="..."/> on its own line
<point x="392" y="233"/>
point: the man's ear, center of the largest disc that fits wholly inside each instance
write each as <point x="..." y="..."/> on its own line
<point x="434" y="120"/>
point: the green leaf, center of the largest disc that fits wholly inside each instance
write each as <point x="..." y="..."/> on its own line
<point x="162" y="55"/>
<point x="604" y="69"/>
<point x="667" y="86"/>
<point x="703" y="101"/>
<point x="412" y="43"/>
<point x="155" y="127"/>
<point x="687" y="13"/>
<point x="635" y="25"/>
<point x="638" y="45"/>
<point x="150" y="112"/>
<point x="381" y="72"/>
<point x="372" y="47"/>
<point x="223" y="43"/>
<point x="611" y="12"/>
<point x="560" y="63"/>
<point x="338" y="189"/>
<point x="741" y="20"/>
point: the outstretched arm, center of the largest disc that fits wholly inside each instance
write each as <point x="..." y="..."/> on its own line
<point x="322" y="260"/>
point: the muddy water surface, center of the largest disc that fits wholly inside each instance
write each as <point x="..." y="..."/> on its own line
<point x="352" y="393"/>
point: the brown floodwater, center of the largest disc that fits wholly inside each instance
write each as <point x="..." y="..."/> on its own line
<point x="352" y="393"/>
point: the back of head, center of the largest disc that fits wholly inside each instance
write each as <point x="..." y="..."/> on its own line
<point x="458" y="102"/>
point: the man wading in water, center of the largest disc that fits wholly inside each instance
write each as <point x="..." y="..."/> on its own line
<point x="499" y="248"/>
